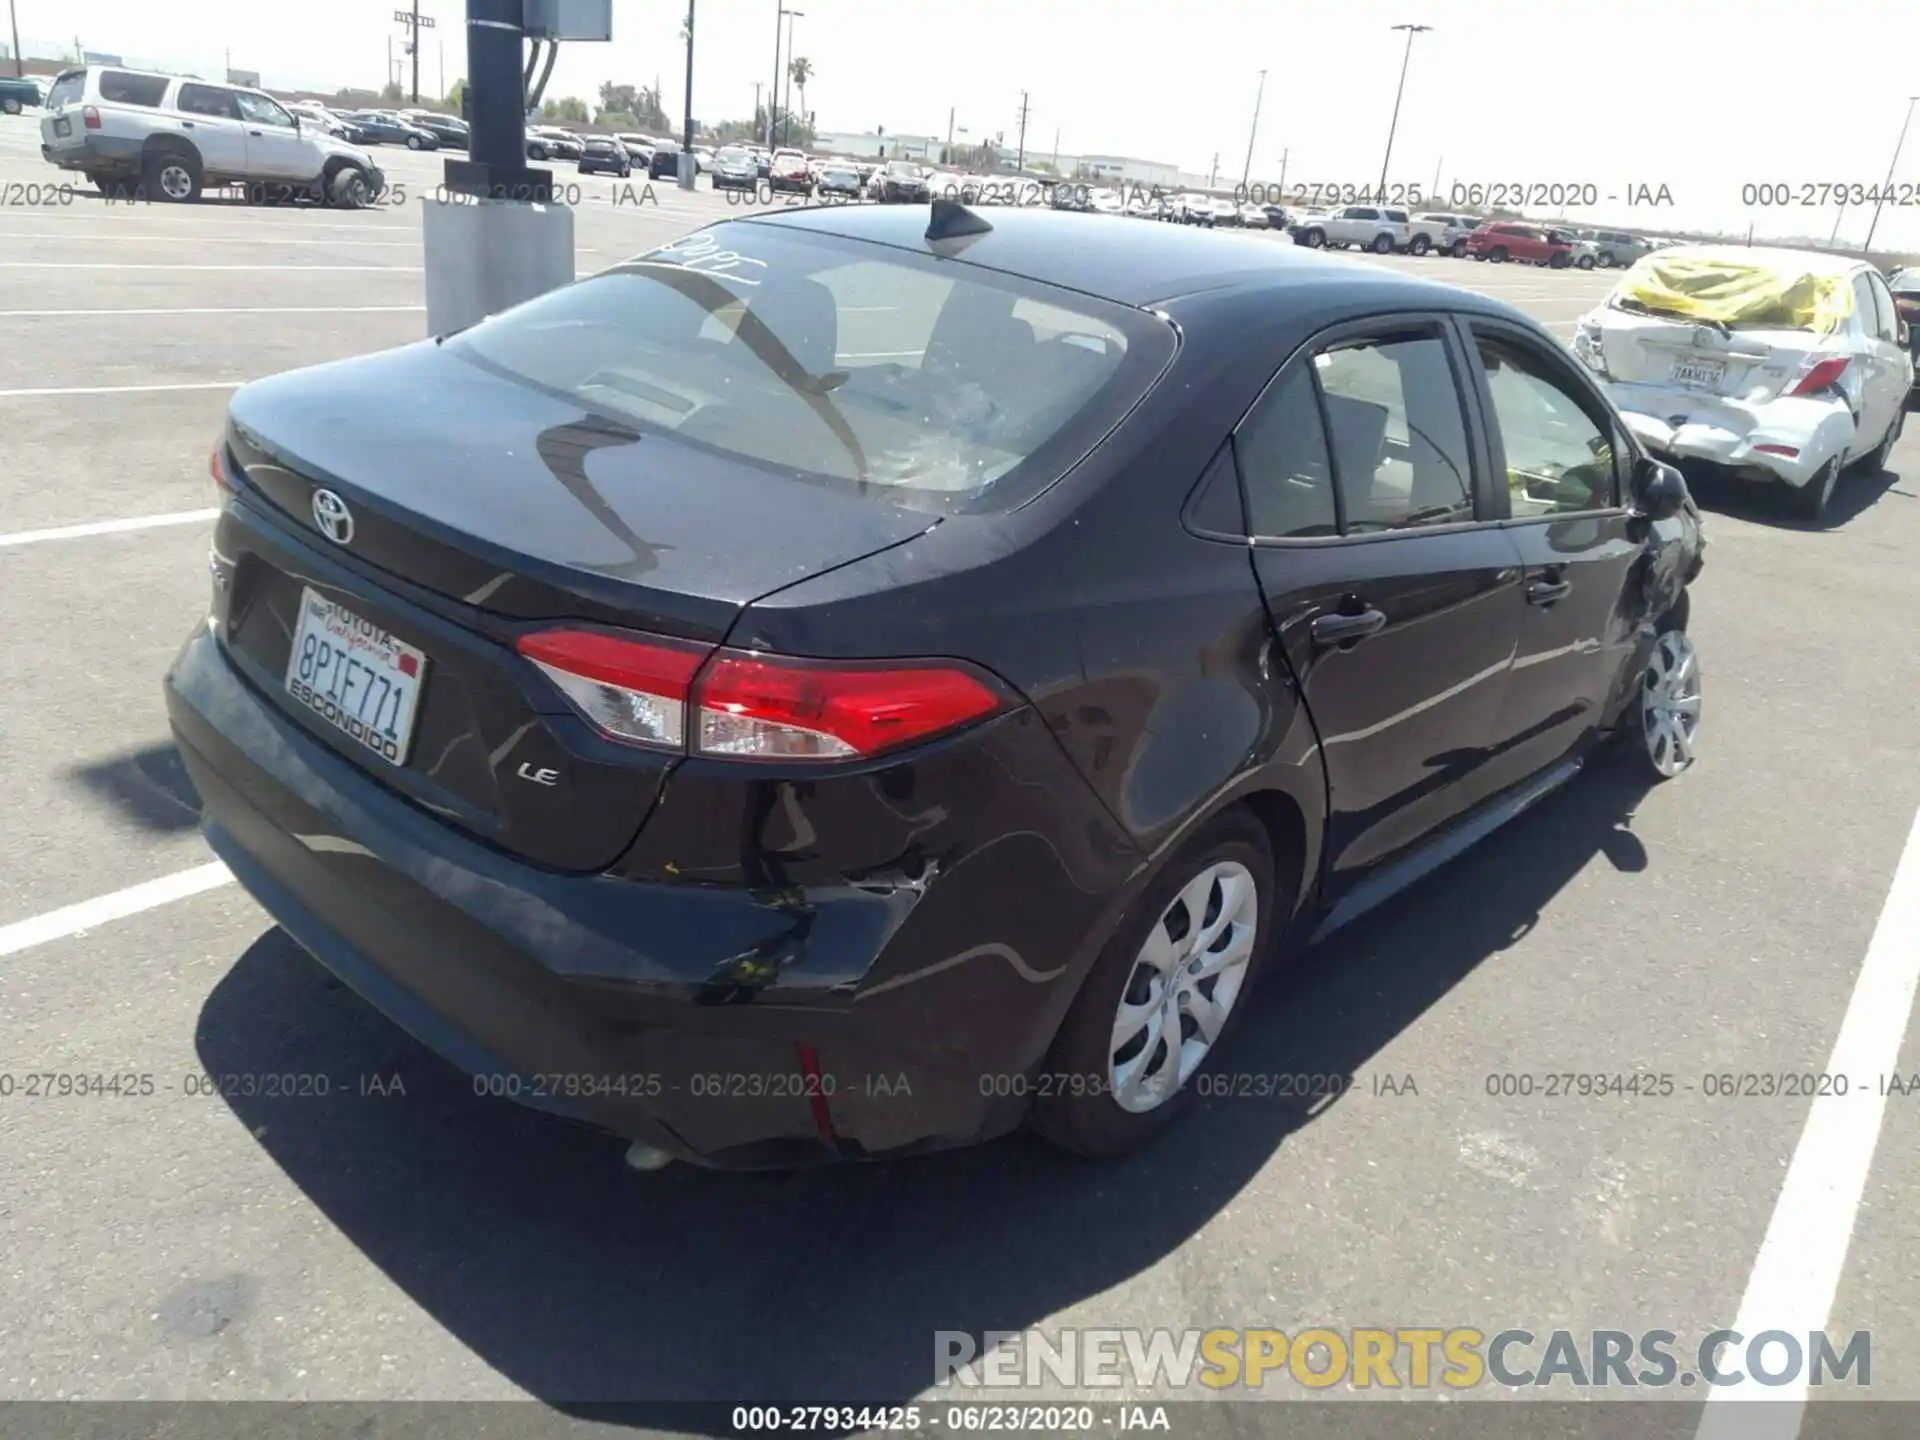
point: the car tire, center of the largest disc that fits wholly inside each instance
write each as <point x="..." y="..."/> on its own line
<point x="1558" y="262"/>
<point x="1876" y="462"/>
<point x="1459" y="250"/>
<point x="1382" y="245"/>
<point x="1811" y="500"/>
<point x="113" y="187"/>
<point x="350" y="188"/>
<point x="1419" y="245"/>
<point x="1585" y="262"/>
<point x="9" y="106"/>
<point x="413" y="142"/>
<point x="1498" y="255"/>
<point x="1606" y="259"/>
<point x="1229" y="863"/>
<point x="171" y="176"/>
<point x="1662" y="731"/>
<point x="1313" y="239"/>
<point x="536" y="152"/>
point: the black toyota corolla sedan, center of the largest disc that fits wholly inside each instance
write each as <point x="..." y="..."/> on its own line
<point x="856" y="679"/>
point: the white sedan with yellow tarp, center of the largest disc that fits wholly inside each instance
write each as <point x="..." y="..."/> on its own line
<point x="1780" y="365"/>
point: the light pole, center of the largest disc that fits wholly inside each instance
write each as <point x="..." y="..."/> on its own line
<point x="1258" y="96"/>
<point x="19" y="67"/>
<point x="786" y="113"/>
<point x="1891" y="166"/>
<point x="1394" y="124"/>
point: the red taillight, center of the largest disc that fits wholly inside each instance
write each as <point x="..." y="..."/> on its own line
<point x="217" y="468"/>
<point x="90" y="117"/>
<point x="750" y="706"/>
<point x="1824" y="373"/>
<point x="633" y="690"/>
<point x="762" y="707"/>
<point x="1787" y="450"/>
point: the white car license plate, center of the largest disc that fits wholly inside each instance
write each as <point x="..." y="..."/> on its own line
<point x="356" y="676"/>
<point x="1699" y="373"/>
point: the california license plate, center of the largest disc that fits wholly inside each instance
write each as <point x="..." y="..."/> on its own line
<point x="1699" y="374"/>
<point x="356" y="676"/>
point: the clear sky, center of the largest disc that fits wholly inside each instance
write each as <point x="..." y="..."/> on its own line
<point x="1702" y="96"/>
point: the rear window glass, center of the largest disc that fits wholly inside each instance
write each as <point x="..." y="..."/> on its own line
<point x="935" y="384"/>
<point x="119" y="88"/>
<point x="67" y="89"/>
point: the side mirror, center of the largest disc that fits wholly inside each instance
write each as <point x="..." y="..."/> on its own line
<point x="1659" y="490"/>
<point x="1903" y="333"/>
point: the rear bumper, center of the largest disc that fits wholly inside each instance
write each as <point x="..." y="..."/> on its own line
<point x="1679" y="424"/>
<point x="96" y="154"/>
<point x="642" y="1008"/>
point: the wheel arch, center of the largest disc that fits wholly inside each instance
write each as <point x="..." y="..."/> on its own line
<point x="158" y="145"/>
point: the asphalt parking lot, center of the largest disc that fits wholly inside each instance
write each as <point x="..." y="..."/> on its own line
<point x="407" y="1240"/>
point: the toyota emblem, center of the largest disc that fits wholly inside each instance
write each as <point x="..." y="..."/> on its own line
<point x="331" y="515"/>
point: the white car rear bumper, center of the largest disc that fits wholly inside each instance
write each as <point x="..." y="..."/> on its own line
<point x="1686" y="425"/>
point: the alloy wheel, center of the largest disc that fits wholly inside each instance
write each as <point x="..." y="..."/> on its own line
<point x="1185" y="979"/>
<point x="1670" y="704"/>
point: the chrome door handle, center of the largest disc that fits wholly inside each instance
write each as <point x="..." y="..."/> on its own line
<point x="1546" y="592"/>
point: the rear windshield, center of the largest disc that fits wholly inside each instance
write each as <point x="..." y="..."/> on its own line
<point x="68" y="88"/>
<point x="931" y="383"/>
<point x="119" y="88"/>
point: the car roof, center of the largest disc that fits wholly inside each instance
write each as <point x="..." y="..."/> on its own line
<point x="1807" y="262"/>
<point x="1138" y="265"/>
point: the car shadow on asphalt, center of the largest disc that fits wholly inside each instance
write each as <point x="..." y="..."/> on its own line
<point x="149" y="786"/>
<point x="1769" y="504"/>
<point x="585" y="1284"/>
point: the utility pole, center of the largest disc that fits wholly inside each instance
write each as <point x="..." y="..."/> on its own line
<point x="1021" y="162"/>
<point x="1283" y="170"/>
<point x="1394" y="124"/>
<point x="773" y="94"/>
<point x="950" y="110"/>
<point x="413" y="44"/>
<point x="689" y="166"/>
<point x="19" y="65"/>
<point x="1258" y="95"/>
<point x="1891" y="167"/>
<point x="1214" y="173"/>
<point x="1434" y="196"/>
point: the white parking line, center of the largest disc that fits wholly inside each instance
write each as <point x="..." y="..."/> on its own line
<point x="224" y="310"/>
<point x="1798" y="1268"/>
<point x="295" y="269"/>
<point x="121" y="389"/>
<point x="75" y="919"/>
<point x="209" y="239"/>
<point x="107" y="527"/>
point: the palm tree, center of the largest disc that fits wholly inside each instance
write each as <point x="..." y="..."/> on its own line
<point x="801" y="70"/>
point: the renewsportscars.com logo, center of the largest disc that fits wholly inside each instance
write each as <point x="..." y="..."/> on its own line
<point x="1414" y="1357"/>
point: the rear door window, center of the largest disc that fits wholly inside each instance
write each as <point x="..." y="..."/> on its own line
<point x="118" y="87"/>
<point x="1399" y="438"/>
<point x="206" y="100"/>
<point x="939" y="386"/>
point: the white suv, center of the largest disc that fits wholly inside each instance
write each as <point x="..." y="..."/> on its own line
<point x="1372" y="227"/>
<point x="173" y="137"/>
